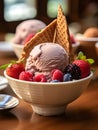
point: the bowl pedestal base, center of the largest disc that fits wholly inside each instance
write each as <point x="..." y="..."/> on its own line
<point x="49" y="111"/>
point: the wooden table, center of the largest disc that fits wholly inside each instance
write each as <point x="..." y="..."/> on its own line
<point x="82" y="114"/>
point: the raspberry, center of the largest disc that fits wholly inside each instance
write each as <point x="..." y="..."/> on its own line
<point x="84" y="67"/>
<point x="57" y="75"/>
<point x="74" y="70"/>
<point x="72" y="39"/>
<point x="14" y="70"/>
<point x="25" y="75"/>
<point x="40" y="78"/>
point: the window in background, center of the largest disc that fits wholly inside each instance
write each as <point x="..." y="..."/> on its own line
<point x="15" y="10"/>
<point x="52" y="7"/>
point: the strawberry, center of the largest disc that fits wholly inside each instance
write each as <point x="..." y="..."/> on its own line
<point x="84" y="67"/>
<point x="40" y="78"/>
<point x="14" y="70"/>
<point x="25" y="75"/>
<point x="57" y="75"/>
<point x="28" y="38"/>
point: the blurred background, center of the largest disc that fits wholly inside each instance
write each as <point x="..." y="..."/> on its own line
<point x="12" y="12"/>
<point x="80" y="14"/>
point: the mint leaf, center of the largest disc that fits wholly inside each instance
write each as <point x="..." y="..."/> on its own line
<point x="13" y="61"/>
<point x="80" y="53"/>
<point x="91" y="61"/>
<point x="40" y="30"/>
<point x="4" y="66"/>
<point x="81" y="56"/>
<point x="7" y="65"/>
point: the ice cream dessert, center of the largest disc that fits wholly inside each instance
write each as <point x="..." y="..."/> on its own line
<point x="47" y="56"/>
<point x="26" y="28"/>
<point x="44" y="75"/>
<point x="24" y="32"/>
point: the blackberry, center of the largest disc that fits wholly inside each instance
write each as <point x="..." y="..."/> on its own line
<point x="74" y="70"/>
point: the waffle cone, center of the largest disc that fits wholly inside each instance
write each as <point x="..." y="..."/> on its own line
<point x="46" y="35"/>
<point x="62" y="36"/>
<point x="57" y="32"/>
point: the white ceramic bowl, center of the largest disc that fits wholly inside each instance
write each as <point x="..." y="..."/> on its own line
<point x="48" y="98"/>
<point x="75" y="47"/>
<point x="81" y="37"/>
<point x="17" y="49"/>
<point x="96" y="48"/>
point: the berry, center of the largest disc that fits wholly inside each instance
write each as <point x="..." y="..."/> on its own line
<point x="72" y="39"/>
<point x="25" y="75"/>
<point x="74" y="70"/>
<point x="57" y="75"/>
<point x="55" y="81"/>
<point x="67" y="77"/>
<point x="40" y="78"/>
<point x="14" y="70"/>
<point x="28" y="38"/>
<point x="84" y="67"/>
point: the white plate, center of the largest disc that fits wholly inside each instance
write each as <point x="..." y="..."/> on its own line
<point x="83" y="38"/>
<point x="6" y="48"/>
<point x="8" y="102"/>
<point x="3" y="82"/>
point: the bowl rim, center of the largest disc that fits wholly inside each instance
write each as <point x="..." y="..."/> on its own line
<point x="96" y="44"/>
<point x="17" y="45"/>
<point x="21" y="46"/>
<point x="48" y="83"/>
<point x="80" y="37"/>
<point x="75" y="44"/>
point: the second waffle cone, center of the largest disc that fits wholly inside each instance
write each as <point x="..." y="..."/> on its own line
<point x="62" y="36"/>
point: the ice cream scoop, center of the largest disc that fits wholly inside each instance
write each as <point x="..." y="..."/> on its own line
<point x="91" y="32"/>
<point x="45" y="57"/>
<point x="27" y="27"/>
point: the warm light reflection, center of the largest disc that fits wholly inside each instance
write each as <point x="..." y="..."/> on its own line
<point x="15" y="10"/>
<point x="52" y="7"/>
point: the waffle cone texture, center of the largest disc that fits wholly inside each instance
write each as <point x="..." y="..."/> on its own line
<point x="56" y="32"/>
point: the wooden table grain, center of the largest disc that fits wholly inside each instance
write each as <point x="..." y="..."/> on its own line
<point x="82" y="114"/>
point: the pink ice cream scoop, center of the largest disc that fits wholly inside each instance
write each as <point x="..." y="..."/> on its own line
<point x="45" y="57"/>
<point x="27" y="27"/>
